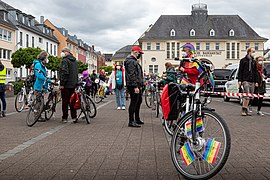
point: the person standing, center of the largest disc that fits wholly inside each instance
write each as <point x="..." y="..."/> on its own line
<point x="68" y="82"/>
<point x="261" y="88"/>
<point x="117" y="79"/>
<point x="247" y="77"/>
<point x="3" y="75"/>
<point x="134" y="82"/>
<point x="170" y="74"/>
<point x="93" y="77"/>
<point x="87" y="81"/>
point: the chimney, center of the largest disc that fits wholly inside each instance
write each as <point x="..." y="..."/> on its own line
<point x="41" y="19"/>
<point x="93" y="48"/>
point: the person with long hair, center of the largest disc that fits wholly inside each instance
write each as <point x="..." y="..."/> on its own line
<point x="261" y="88"/>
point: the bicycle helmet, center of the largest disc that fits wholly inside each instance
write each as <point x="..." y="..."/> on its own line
<point x="85" y="73"/>
<point x="190" y="46"/>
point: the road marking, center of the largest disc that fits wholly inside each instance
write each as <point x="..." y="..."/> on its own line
<point x="32" y="141"/>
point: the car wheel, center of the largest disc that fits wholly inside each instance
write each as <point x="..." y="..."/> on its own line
<point x="226" y="98"/>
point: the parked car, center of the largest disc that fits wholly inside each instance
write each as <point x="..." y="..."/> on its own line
<point x="231" y="86"/>
<point x="221" y="76"/>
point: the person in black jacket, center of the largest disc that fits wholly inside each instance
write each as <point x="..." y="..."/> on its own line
<point x="134" y="83"/>
<point x="68" y="82"/>
<point x="93" y="77"/>
<point x="247" y="77"/>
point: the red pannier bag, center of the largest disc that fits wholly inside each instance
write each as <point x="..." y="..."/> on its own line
<point x="169" y="101"/>
<point x="75" y="100"/>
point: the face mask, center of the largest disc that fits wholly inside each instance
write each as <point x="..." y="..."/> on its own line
<point x="139" y="56"/>
<point x="260" y="62"/>
<point x="63" y="54"/>
<point x="184" y="54"/>
<point x="118" y="67"/>
<point x="47" y="61"/>
<point x="253" y="54"/>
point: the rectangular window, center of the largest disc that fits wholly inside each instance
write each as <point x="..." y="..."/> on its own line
<point x="178" y="50"/>
<point x="198" y="46"/>
<point x="233" y="50"/>
<point x="247" y="45"/>
<point x="51" y="49"/>
<point x="27" y="40"/>
<point x="4" y="54"/>
<point x="9" y="36"/>
<point x="8" y="54"/>
<point x="168" y="51"/>
<point x="47" y="46"/>
<point x="256" y="45"/>
<point x="40" y="40"/>
<point x="1" y="53"/>
<point x="33" y="41"/>
<point x="173" y="50"/>
<point x="9" y="73"/>
<point x="217" y="46"/>
<point x="157" y="46"/>
<point x="156" y="69"/>
<point x="228" y="50"/>
<point x="150" y="68"/>
<point x="238" y="50"/>
<point x="207" y="46"/>
<point x="21" y="38"/>
<point x="5" y="35"/>
<point x="54" y="49"/>
<point x="1" y="33"/>
<point x="148" y="46"/>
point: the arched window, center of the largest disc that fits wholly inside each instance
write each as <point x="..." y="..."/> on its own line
<point x="192" y="32"/>
<point x="172" y="32"/>
<point x="231" y="32"/>
<point x="212" y="32"/>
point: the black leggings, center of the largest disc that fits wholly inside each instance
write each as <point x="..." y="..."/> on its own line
<point x="135" y="105"/>
<point x="260" y="100"/>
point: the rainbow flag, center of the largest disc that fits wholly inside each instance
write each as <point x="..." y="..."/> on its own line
<point x="211" y="151"/>
<point x="187" y="154"/>
<point x="195" y="64"/>
<point x="184" y="81"/>
<point x="199" y="126"/>
<point x="211" y="80"/>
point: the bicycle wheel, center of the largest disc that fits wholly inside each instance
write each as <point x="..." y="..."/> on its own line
<point x="91" y="109"/>
<point x="50" y="107"/>
<point x="98" y="96"/>
<point x="35" y="110"/>
<point x="20" y="101"/>
<point x="211" y="151"/>
<point x="157" y="105"/>
<point x="148" y="98"/>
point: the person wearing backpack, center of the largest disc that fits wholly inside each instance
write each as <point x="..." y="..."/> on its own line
<point x="93" y="77"/>
<point x="117" y="79"/>
<point x="87" y="81"/>
<point x="68" y="82"/>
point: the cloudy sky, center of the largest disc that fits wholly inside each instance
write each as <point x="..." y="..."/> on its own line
<point x="111" y="24"/>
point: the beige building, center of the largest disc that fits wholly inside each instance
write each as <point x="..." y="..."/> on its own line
<point x="7" y="43"/>
<point x="223" y="39"/>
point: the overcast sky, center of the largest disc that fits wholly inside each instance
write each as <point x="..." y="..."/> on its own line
<point x="112" y="24"/>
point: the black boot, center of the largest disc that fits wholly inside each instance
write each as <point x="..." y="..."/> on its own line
<point x="3" y="114"/>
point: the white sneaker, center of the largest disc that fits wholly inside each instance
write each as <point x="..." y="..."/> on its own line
<point x="118" y="108"/>
<point x="123" y="108"/>
<point x="260" y="113"/>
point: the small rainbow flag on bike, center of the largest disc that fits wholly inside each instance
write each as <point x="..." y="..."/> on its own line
<point x="211" y="80"/>
<point x="199" y="126"/>
<point x="211" y="151"/>
<point x="187" y="154"/>
<point x="184" y="81"/>
<point x="195" y="64"/>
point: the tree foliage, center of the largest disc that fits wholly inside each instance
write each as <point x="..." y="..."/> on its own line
<point x="82" y="66"/>
<point x="54" y="63"/>
<point x="108" y="69"/>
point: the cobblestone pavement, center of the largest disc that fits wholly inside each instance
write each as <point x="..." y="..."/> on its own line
<point x="108" y="149"/>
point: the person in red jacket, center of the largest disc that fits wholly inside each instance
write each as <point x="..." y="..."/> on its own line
<point x="188" y="67"/>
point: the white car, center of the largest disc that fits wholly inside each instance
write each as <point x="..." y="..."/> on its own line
<point x="231" y="86"/>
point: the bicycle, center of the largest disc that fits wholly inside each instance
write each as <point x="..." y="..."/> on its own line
<point x="197" y="151"/>
<point x="100" y="95"/>
<point x="37" y="107"/>
<point x="149" y="93"/>
<point x="88" y="107"/>
<point x="24" y="97"/>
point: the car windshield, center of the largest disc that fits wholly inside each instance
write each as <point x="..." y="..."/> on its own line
<point x="221" y="74"/>
<point x="267" y="67"/>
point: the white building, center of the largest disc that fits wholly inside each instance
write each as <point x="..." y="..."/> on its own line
<point x="223" y="39"/>
<point x="31" y="33"/>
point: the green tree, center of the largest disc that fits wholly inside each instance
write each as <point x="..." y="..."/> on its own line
<point x="82" y="66"/>
<point x="108" y="69"/>
<point x="54" y="63"/>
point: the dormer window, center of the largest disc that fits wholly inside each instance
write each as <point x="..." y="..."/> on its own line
<point x="5" y="16"/>
<point x="172" y="32"/>
<point x="231" y="32"/>
<point x="23" y="20"/>
<point x="192" y="32"/>
<point x="212" y="33"/>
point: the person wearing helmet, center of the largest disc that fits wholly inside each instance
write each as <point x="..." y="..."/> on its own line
<point x="87" y="81"/>
<point x="186" y="66"/>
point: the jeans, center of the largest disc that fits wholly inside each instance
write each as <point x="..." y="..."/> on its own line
<point x="135" y="105"/>
<point x="3" y="99"/>
<point x="66" y="94"/>
<point x="120" y="94"/>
